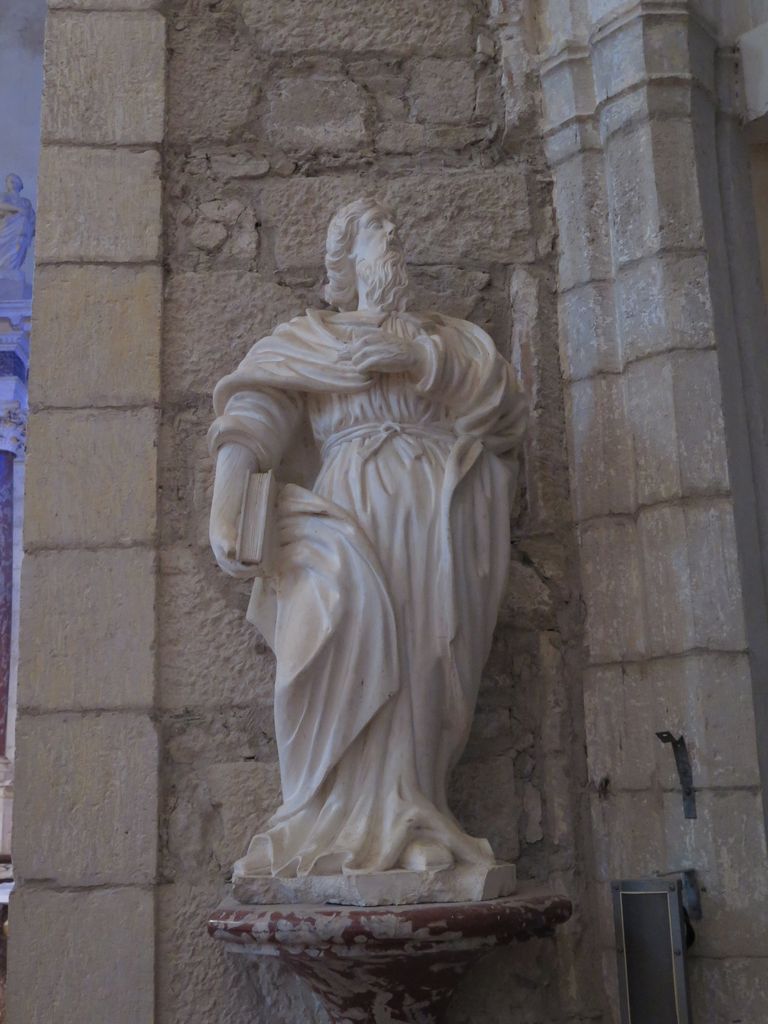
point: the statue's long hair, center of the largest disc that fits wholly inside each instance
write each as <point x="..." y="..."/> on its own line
<point x="341" y="290"/>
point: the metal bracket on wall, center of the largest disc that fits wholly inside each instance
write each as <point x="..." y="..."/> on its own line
<point x="684" y="770"/>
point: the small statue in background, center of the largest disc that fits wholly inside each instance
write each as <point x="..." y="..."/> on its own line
<point x="17" y="226"/>
<point x="387" y="579"/>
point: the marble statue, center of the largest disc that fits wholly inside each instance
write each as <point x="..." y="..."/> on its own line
<point x="388" y="579"/>
<point x="17" y="226"/>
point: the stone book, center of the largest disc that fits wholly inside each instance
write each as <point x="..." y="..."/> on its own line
<point x="255" y="545"/>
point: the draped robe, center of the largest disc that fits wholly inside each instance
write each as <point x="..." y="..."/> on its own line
<point x="390" y="573"/>
<point x="16" y="231"/>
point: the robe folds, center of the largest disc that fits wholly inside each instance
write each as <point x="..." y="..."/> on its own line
<point x="390" y="573"/>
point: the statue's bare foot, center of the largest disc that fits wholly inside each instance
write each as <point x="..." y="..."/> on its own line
<point x="425" y="855"/>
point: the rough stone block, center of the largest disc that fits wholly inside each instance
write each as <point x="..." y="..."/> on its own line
<point x="580" y="204"/>
<point x="707" y="697"/>
<point x="87" y="813"/>
<point x="653" y="205"/>
<point x="567" y="91"/>
<point x="619" y="59"/>
<point x="214" y="78"/>
<point x="640" y="49"/>
<point x="105" y="78"/>
<point x="684" y="47"/>
<point x="97" y="333"/>
<point x="89" y="629"/>
<point x="212" y="812"/>
<point x="316" y="114"/>
<point x="82" y="956"/>
<point x="621" y="716"/>
<point x="486" y="799"/>
<point x="218" y="735"/>
<point x="456" y="292"/>
<point x="211" y="321"/>
<point x="721" y="988"/>
<point x="666" y="578"/>
<point x="203" y="231"/>
<point x="186" y="471"/>
<point x="101" y="205"/>
<point x="442" y="91"/>
<point x="527" y="602"/>
<point x="91" y="478"/>
<point x="106" y="5"/>
<point x="652" y="430"/>
<point x="587" y="331"/>
<point x="391" y="26"/>
<point x="613" y="589"/>
<point x="445" y="218"/>
<point x="203" y="622"/>
<point x="716" y="591"/>
<point x="699" y="423"/>
<point x="601" y="451"/>
<point x="664" y="303"/>
<point x="205" y="984"/>
<point x="691" y="577"/>
<point x="408" y="138"/>
<point x="628" y="834"/>
<point x="675" y="411"/>
<point x="243" y="795"/>
<point x="726" y="845"/>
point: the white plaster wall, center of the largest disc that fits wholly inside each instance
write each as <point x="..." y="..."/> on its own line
<point x="22" y="25"/>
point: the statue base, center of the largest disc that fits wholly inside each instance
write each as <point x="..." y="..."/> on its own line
<point x="463" y="883"/>
<point x="385" y="965"/>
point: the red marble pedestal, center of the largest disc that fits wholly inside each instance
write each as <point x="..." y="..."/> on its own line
<point x="385" y="964"/>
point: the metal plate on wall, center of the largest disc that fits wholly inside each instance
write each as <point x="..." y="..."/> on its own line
<point x="650" y="945"/>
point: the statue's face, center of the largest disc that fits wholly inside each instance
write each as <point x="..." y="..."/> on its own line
<point x="376" y="237"/>
<point x="13" y="183"/>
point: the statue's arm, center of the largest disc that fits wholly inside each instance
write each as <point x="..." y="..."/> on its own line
<point x="250" y="436"/>
<point x="477" y="384"/>
<point x="233" y="464"/>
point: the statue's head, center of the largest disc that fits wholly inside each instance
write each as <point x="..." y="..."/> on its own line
<point x="363" y="254"/>
<point x="13" y="183"/>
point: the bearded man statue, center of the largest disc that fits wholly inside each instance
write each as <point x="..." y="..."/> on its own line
<point x="388" y="578"/>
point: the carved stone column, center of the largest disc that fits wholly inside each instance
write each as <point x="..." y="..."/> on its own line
<point x="662" y="340"/>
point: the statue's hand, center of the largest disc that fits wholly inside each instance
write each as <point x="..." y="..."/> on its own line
<point x="223" y="537"/>
<point x="376" y="351"/>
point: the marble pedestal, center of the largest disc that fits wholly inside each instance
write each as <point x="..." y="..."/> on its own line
<point x="385" y="965"/>
<point x="463" y="883"/>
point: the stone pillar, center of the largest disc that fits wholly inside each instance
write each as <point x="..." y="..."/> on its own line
<point x="86" y="822"/>
<point x="661" y="458"/>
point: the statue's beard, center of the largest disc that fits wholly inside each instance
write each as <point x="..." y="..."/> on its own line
<point x="386" y="281"/>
